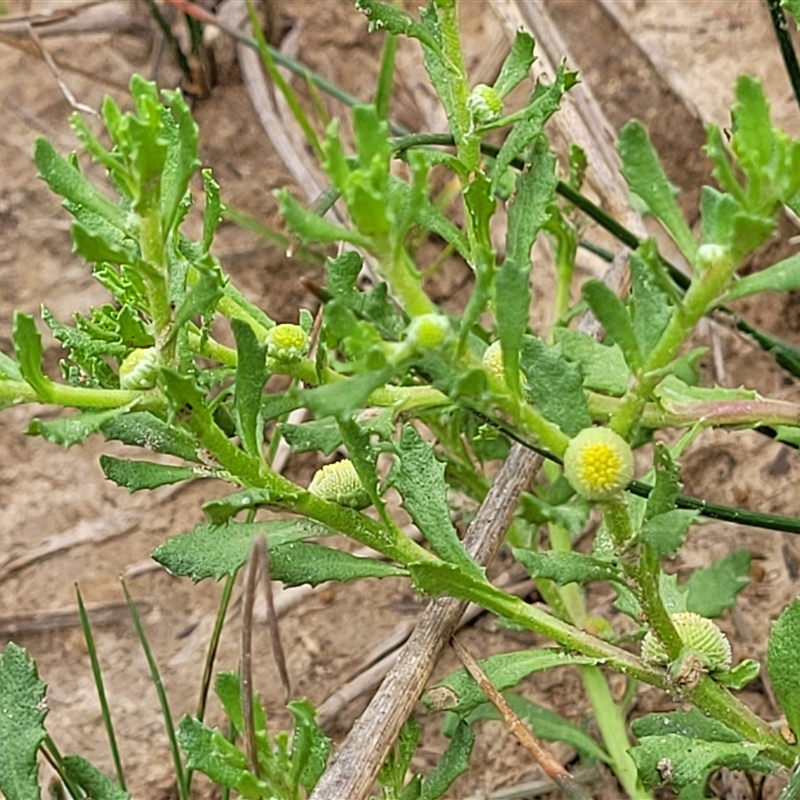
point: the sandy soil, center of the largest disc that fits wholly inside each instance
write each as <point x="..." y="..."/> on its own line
<point x="98" y="532"/>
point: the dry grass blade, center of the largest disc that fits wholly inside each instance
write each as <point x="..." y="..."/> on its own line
<point x="373" y="735"/>
<point x="262" y="552"/>
<point x="248" y="715"/>
<point x="64" y="618"/>
<point x="553" y="769"/>
<point x="62" y="84"/>
<point x="99" y="16"/>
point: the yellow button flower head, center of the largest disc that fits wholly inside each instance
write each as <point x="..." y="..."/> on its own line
<point x="598" y="463"/>
<point x="287" y="343"/>
<point x="339" y="483"/>
<point x="493" y="360"/>
<point x="696" y="632"/>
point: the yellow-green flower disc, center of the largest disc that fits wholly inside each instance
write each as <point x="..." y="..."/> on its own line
<point x="598" y="463"/>
<point x="428" y="331"/>
<point x="139" y="370"/>
<point x="696" y="632"/>
<point x="287" y="342"/>
<point x="339" y="483"/>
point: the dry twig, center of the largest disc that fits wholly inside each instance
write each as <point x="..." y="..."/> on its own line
<point x="552" y="768"/>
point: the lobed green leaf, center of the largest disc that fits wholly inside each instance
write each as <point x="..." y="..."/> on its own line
<point x="517" y="64"/>
<point x="554" y="385"/>
<point x="713" y="589"/>
<point x="137" y="475"/>
<point x="68" y="431"/>
<point x="419" y="477"/>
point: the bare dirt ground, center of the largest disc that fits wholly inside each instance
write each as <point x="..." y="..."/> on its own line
<point x="61" y="523"/>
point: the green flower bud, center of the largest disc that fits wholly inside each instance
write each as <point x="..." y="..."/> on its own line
<point x="711" y="257"/>
<point x="428" y="331"/>
<point x="697" y="633"/>
<point x="339" y="483"/>
<point x="139" y="370"/>
<point x="493" y="360"/>
<point x="287" y="343"/>
<point x="598" y="463"/>
<point x="485" y="104"/>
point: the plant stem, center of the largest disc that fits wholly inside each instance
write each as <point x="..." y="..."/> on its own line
<point x="254" y="473"/>
<point x="785" y="43"/>
<point x="609" y="716"/>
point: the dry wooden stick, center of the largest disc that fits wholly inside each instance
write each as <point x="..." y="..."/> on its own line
<point x="65" y="618"/>
<point x="551" y="766"/>
<point x="373" y="735"/>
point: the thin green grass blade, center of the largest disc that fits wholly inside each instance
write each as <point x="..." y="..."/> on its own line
<point x="53" y="755"/>
<point x="180" y="775"/>
<point x="211" y="654"/>
<point x="101" y="692"/>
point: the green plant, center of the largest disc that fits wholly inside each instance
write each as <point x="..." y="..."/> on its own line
<point x="134" y="374"/>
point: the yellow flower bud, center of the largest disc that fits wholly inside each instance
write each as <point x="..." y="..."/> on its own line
<point x="287" y="343"/>
<point x="139" y="370"/>
<point x="699" y="634"/>
<point x="339" y="483"/>
<point x="598" y="463"/>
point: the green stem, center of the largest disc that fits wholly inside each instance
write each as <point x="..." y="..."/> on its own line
<point x="254" y="473"/>
<point x="19" y="392"/>
<point x="709" y="696"/>
<point x="609" y="716"/>
<point x="457" y="84"/>
<point x="611" y="722"/>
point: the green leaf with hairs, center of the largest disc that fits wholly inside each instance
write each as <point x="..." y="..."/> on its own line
<point x="251" y="375"/>
<point x="554" y="386"/>
<point x="783" y="656"/>
<point x="419" y="477"/>
<point x="214" y="551"/>
<point x="143" y="429"/>
<point x="615" y="319"/>
<point x="564" y="568"/>
<point x="97" y="785"/>
<point x="137" y="475"/>
<point x="22" y="713"/>
<point x="691" y="761"/>
<point x="713" y="589"/>
<point x="454" y="762"/>
<point x="517" y="65"/>
<point x="645" y="176"/>
<point x="75" y="429"/>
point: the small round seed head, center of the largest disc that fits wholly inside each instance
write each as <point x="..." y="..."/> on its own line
<point x="428" y="331"/>
<point x="485" y="104"/>
<point x="287" y="343"/>
<point x="598" y="463"/>
<point x="139" y="369"/>
<point x="696" y="632"/>
<point x="339" y="483"/>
